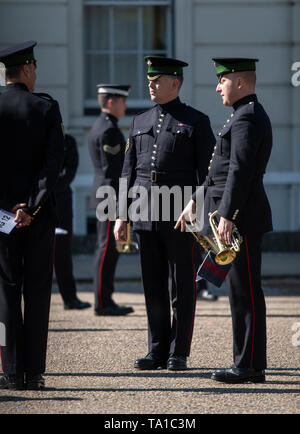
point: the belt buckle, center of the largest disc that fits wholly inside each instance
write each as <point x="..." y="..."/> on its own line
<point x="153" y="176"/>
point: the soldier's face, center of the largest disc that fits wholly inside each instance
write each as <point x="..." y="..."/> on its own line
<point x="162" y="90"/>
<point x="228" y="89"/>
<point x="118" y="107"/>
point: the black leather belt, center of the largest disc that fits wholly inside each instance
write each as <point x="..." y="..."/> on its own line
<point x="169" y="177"/>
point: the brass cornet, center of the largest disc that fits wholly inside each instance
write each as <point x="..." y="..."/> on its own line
<point x="225" y="254"/>
<point x="127" y="246"/>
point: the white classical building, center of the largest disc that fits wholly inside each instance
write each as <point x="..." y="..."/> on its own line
<point x="85" y="42"/>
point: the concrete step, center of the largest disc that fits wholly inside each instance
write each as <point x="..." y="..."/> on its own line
<point x="274" y="264"/>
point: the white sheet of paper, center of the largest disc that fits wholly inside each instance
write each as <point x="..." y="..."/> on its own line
<point x="7" y="221"/>
<point x="60" y="231"/>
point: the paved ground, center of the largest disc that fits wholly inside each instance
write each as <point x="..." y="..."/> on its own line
<point x="90" y="364"/>
<point x="90" y="359"/>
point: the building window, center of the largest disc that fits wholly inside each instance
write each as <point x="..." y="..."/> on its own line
<point x="118" y="34"/>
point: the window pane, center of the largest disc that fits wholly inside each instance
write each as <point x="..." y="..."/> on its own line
<point x="117" y="38"/>
<point x="154" y="27"/>
<point x="126" y="29"/>
<point x="97" y="71"/>
<point x="97" y="28"/>
<point x="126" y="72"/>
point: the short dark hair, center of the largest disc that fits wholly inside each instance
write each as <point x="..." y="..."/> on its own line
<point x="13" y="71"/>
<point x="177" y="77"/>
<point x="104" y="97"/>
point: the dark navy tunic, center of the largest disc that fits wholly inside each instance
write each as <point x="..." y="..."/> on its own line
<point x="235" y="178"/>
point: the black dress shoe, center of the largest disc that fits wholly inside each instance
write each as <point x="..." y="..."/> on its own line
<point x="75" y="303"/>
<point x="35" y="382"/>
<point x="151" y="361"/>
<point x="13" y="382"/>
<point x="207" y="295"/>
<point x="177" y="363"/>
<point x="239" y="375"/>
<point x="113" y="310"/>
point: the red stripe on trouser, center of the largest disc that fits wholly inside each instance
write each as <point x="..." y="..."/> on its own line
<point x="194" y="294"/>
<point x="252" y="300"/>
<point x="53" y="256"/>
<point x="101" y="266"/>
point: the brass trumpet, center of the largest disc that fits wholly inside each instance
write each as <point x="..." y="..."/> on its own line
<point x="127" y="246"/>
<point x="224" y="254"/>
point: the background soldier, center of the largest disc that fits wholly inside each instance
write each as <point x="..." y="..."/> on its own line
<point x="31" y="156"/>
<point x="170" y="145"/>
<point x="235" y="188"/>
<point x="64" y="231"/>
<point x="107" y="146"/>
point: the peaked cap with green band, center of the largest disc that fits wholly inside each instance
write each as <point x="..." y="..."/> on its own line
<point x="228" y="65"/>
<point x="158" y="65"/>
<point x="19" y="54"/>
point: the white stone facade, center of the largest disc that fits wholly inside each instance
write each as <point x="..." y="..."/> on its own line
<point x="268" y="30"/>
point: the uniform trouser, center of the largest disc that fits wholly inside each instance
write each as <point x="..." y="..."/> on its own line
<point x="247" y="304"/>
<point x="200" y="284"/>
<point x="159" y="249"/>
<point x="26" y="263"/>
<point x="64" y="266"/>
<point x="200" y="255"/>
<point x="105" y="261"/>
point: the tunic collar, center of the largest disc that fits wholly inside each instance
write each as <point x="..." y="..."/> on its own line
<point x="170" y="106"/>
<point x="113" y="118"/>
<point x="20" y="86"/>
<point x="245" y="100"/>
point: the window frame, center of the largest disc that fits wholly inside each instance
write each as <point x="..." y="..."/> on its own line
<point x="91" y="105"/>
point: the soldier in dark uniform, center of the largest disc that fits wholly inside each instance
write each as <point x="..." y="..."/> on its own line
<point x="107" y="146"/>
<point x="235" y="188"/>
<point x="63" y="263"/>
<point x="169" y="145"/>
<point x="31" y="156"/>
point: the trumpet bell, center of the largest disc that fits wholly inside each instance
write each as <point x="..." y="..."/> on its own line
<point x="128" y="248"/>
<point x="225" y="257"/>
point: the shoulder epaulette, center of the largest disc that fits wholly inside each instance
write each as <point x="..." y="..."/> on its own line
<point x="44" y="95"/>
<point x="146" y="110"/>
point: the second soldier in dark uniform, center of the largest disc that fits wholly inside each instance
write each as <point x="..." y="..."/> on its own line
<point x="63" y="263"/>
<point x="234" y="187"/>
<point x="169" y="145"/>
<point x="107" y="147"/>
<point x="31" y="157"/>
